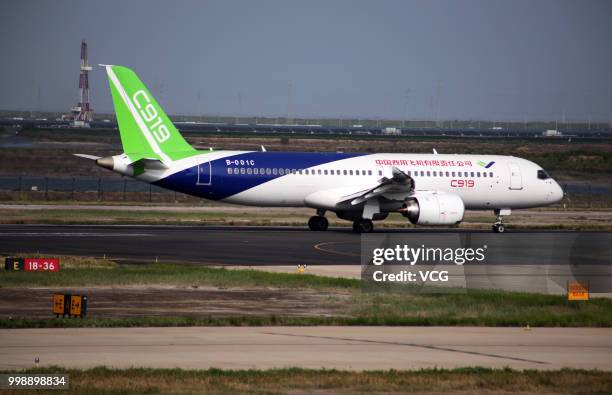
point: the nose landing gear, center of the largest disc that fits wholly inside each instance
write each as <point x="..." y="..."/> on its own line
<point x="498" y="226"/>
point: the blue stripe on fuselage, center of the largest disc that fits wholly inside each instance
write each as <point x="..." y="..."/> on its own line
<point x="224" y="185"/>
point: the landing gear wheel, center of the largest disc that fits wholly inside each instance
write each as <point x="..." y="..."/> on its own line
<point x="499" y="228"/>
<point x="318" y="223"/>
<point x="363" y="226"/>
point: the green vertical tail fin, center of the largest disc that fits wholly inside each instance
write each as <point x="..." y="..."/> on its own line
<point x="146" y="131"/>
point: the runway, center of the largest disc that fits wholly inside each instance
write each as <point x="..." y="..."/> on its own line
<point x="206" y="245"/>
<point x="347" y="348"/>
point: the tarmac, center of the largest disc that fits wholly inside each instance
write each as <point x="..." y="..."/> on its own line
<point x="346" y="348"/>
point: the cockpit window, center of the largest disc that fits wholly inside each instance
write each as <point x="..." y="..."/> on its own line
<point x="543" y="175"/>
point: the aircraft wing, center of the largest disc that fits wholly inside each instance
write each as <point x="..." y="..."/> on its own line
<point x="398" y="183"/>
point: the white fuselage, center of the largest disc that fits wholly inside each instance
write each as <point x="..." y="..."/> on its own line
<point x="482" y="181"/>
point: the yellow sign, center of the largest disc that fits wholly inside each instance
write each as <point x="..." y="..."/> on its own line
<point x="58" y="304"/>
<point x="577" y="291"/>
<point x="75" y="305"/>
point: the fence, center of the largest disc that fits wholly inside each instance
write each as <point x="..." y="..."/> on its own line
<point x="85" y="189"/>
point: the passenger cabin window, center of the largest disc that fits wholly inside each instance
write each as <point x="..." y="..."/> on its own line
<point x="369" y="172"/>
<point x="490" y="174"/>
<point x="543" y="175"/>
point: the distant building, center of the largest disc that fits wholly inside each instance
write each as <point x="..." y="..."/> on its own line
<point x="551" y="133"/>
<point x="391" y="131"/>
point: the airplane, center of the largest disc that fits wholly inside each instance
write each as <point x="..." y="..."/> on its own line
<point x="427" y="189"/>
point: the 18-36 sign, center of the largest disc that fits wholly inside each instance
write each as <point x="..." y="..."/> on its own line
<point x="41" y="264"/>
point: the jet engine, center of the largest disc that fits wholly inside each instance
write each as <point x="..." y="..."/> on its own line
<point x="427" y="208"/>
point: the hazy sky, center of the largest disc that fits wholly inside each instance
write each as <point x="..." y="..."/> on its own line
<point x="511" y="59"/>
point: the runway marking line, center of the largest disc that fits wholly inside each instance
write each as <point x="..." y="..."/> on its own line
<point x="76" y="234"/>
<point x="327" y="243"/>
<point x="429" y="347"/>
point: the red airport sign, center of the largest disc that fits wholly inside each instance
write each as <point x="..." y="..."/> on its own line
<point x="41" y="264"/>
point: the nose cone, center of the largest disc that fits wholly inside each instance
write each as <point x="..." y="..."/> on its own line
<point x="556" y="194"/>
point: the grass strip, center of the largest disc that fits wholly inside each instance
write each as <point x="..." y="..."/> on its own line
<point x="102" y="380"/>
<point x="473" y="308"/>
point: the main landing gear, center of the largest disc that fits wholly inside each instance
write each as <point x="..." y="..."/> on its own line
<point x="363" y="226"/>
<point x="318" y="222"/>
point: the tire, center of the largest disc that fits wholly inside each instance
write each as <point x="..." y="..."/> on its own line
<point x="499" y="228"/>
<point x="366" y="226"/>
<point x="318" y="223"/>
<point x="356" y="227"/>
<point x="323" y="224"/>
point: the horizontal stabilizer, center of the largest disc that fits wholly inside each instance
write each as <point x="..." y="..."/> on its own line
<point x="90" y="157"/>
<point x="150" y="163"/>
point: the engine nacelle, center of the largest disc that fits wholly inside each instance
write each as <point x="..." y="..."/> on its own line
<point x="434" y="209"/>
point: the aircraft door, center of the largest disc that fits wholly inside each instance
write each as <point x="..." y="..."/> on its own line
<point x="516" y="179"/>
<point x="204" y="174"/>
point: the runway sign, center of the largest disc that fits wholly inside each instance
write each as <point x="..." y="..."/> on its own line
<point x="70" y="305"/>
<point x="58" y="304"/>
<point x="32" y="264"/>
<point x="577" y="291"/>
<point x="15" y="264"/>
<point x="41" y="264"/>
<point x="78" y="305"/>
